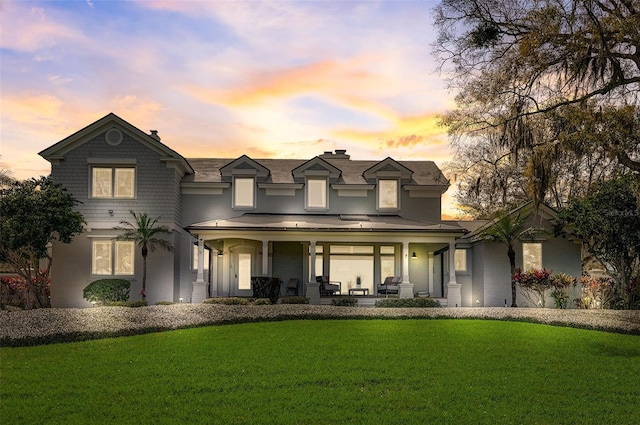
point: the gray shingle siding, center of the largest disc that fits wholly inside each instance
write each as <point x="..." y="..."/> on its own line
<point x="157" y="186"/>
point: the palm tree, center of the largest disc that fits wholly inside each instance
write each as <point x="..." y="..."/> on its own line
<point x="143" y="232"/>
<point x="508" y="229"/>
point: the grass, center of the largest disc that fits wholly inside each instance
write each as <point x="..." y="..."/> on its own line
<point x="328" y="372"/>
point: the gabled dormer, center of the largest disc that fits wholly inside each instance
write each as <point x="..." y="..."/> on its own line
<point x="388" y="168"/>
<point x="388" y="175"/>
<point x="316" y="174"/>
<point x="244" y="166"/>
<point x="244" y="173"/>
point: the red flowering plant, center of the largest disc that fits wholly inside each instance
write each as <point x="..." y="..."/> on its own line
<point x="15" y="292"/>
<point x="534" y="285"/>
<point x="597" y="292"/>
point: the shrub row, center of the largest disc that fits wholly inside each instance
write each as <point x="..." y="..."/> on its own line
<point x="237" y="301"/>
<point x="345" y="302"/>
<point x="408" y="302"/>
<point x="294" y="300"/>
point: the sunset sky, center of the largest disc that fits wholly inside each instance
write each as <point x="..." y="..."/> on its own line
<point x="224" y="78"/>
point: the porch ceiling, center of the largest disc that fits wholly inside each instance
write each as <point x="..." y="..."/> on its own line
<point x="323" y="222"/>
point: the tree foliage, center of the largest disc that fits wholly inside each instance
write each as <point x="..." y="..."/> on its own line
<point x="34" y="213"/>
<point x="526" y="56"/>
<point x="144" y="231"/>
<point x="554" y="81"/>
<point x="608" y="223"/>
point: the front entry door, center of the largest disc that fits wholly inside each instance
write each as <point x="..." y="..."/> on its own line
<point x="244" y="271"/>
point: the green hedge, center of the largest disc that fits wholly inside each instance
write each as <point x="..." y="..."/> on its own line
<point x="345" y="302"/>
<point x="408" y="302"/>
<point x="294" y="300"/>
<point x="103" y="291"/>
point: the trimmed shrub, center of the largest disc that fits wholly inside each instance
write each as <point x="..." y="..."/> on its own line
<point x="266" y="287"/>
<point x="408" y="302"/>
<point x="345" y="302"/>
<point x="126" y="304"/>
<point x="165" y="303"/>
<point x="294" y="300"/>
<point x="102" y="291"/>
<point x="260" y="301"/>
<point x="227" y="301"/>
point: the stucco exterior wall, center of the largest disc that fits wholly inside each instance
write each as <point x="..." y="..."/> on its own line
<point x="71" y="273"/>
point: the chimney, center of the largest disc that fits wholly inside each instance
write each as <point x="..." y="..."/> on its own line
<point x="339" y="154"/>
<point x="154" y="134"/>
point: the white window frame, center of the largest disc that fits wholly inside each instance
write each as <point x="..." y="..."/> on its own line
<point x="526" y="263"/>
<point x="112" y="188"/>
<point x="392" y="185"/>
<point x="315" y="184"/>
<point x="240" y="198"/>
<point x="114" y="250"/>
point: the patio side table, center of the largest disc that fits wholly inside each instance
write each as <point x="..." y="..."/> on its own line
<point x="365" y="291"/>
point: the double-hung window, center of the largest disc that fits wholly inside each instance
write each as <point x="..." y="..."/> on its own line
<point x="244" y="192"/>
<point x="387" y="194"/>
<point x="317" y="194"/>
<point x="113" y="182"/>
<point x="110" y="257"/>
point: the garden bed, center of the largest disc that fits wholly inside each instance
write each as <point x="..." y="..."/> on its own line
<point x="45" y="326"/>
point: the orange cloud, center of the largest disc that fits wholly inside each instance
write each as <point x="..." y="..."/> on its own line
<point x="403" y="132"/>
<point x="347" y="83"/>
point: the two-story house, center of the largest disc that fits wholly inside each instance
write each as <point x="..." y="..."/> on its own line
<point x="235" y="218"/>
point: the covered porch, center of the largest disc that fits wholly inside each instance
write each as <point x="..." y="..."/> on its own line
<point x="343" y="248"/>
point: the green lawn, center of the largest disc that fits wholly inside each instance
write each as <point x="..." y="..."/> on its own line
<point x="328" y="372"/>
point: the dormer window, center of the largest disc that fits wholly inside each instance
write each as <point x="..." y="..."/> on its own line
<point x="244" y="193"/>
<point x="317" y="193"/>
<point x="387" y="194"/>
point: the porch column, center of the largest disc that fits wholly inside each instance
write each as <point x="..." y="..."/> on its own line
<point x="430" y="272"/>
<point x="313" y="287"/>
<point x="405" y="288"/>
<point x="213" y="273"/>
<point x="265" y="258"/>
<point x="454" y="294"/>
<point x="199" y="291"/>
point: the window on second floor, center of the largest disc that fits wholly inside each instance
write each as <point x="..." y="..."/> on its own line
<point x="110" y="257"/>
<point x="316" y="193"/>
<point x="113" y="182"/>
<point x="244" y="192"/>
<point x="531" y="256"/>
<point x="387" y="194"/>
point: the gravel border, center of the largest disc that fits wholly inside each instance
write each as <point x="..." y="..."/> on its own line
<point x="45" y="326"/>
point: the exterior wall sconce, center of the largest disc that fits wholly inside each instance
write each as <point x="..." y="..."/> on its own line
<point x="111" y="213"/>
<point x="414" y="255"/>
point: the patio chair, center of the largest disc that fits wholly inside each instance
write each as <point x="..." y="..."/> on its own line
<point x="292" y="286"/>
<point x="390" y="285"/>
<point x="328" y="287"/>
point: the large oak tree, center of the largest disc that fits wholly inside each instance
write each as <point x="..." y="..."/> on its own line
<point x="510" y="60"/>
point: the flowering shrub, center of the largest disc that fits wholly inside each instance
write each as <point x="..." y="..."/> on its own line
<point x="597" y="292"/>
<point x="15" y="292"/>
<point x="534" y="284"/>
<point x="560" y="293"/>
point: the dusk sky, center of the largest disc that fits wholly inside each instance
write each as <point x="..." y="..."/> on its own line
<point x="224" y="78"/>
